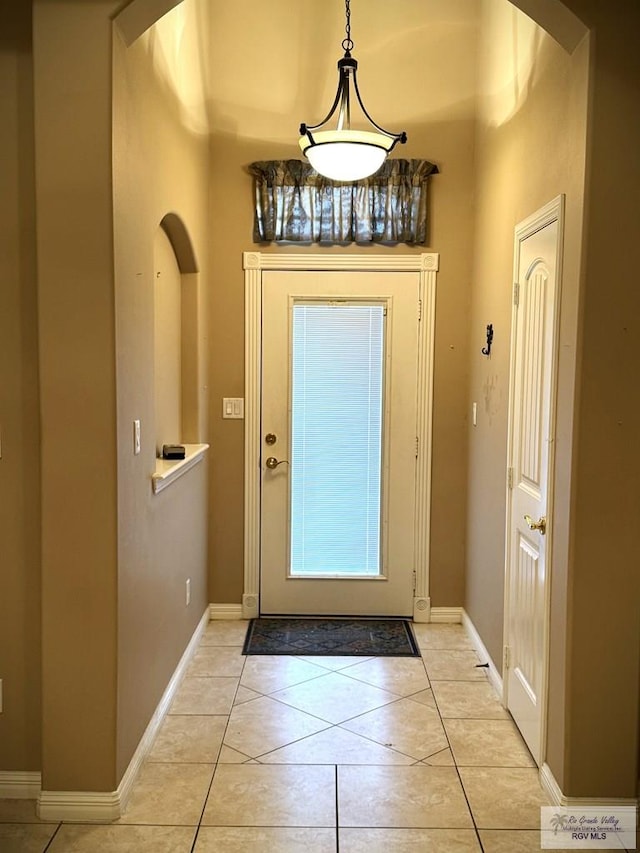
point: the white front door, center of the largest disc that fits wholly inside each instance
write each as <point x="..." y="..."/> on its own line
<point x="338" y="442"/>
<point x="530" y="463"/>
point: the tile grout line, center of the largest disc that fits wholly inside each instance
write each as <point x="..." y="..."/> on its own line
<point x="337" y="811"/>
<point x="455" y="764"/>
<point x="216" y="762"/>
<point x="51" y="840"/>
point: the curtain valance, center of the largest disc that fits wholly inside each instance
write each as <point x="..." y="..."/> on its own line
<point x="296" y="204"/>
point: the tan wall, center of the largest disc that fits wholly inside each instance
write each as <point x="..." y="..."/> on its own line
<point x="603" y="608"/>
<point x="72" y="47"/>
<point x="161" y="163"/>
<point x="526" y="156"/>
<point x="530" y="148"/>
<point x="441" y="126"/>
<point x="19" y="405"/>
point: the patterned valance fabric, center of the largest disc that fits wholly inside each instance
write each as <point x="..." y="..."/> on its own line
<point x="296" y="204"/>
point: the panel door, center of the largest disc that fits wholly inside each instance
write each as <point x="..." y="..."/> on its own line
<point x="531" y="430"/>
<point x="338" y="457"/>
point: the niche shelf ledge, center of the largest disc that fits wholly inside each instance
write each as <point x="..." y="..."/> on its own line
<point x="169" y="470"/>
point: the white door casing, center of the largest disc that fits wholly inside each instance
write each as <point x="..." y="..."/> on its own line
<point x="537" y="260"/>
<point x="255" y="264"/>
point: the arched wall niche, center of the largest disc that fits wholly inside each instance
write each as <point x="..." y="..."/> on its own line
<point x="176" y="326"/>
<point x="177" y="233"/>
<point x="554" y="16"/>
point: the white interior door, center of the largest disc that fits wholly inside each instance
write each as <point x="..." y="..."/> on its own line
<point x="531" y="457"/>
<point x="338" y="453"/>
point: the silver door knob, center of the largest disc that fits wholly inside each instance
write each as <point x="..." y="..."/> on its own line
<point x="273" y="463"/>
<point x="540" y="524"/>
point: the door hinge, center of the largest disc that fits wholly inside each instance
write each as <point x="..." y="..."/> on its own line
<point x="506" y="657"/>
<point x="415" y="580"/>
<point x="516" y="293"/>
<point x="419" y="310"/>
<point x="509" y="478"/>
<point x="417" y="446"/>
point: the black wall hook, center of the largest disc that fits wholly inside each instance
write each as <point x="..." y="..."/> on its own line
<point x="487" y="350"/>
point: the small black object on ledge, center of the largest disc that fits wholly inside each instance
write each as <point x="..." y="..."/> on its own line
<point x="173" y="451"/>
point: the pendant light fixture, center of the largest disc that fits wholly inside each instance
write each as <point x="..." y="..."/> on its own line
<point x="344" y="154"/>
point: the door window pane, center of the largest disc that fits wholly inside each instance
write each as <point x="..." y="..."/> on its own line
<point x="337" y="420"/>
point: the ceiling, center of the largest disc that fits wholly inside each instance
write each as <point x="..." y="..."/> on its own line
<point x="257" y="70"/>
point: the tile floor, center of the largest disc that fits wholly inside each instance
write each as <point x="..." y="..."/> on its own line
<point x="288" y="754"/>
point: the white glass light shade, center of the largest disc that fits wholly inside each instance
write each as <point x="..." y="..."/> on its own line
<point x="346" y="155"/>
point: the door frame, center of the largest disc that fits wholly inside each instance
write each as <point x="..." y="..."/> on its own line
<point x="426" y="264"/>
<point x="550" y="212"/>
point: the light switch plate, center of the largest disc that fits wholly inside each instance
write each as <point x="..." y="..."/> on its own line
<point x="233" y="407"/>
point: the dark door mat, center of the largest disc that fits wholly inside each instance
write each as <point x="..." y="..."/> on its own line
<point x="340" y="637"/>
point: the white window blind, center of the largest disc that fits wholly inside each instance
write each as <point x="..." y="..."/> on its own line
<point x="337" y="429"/>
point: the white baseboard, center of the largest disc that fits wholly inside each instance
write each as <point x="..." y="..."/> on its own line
<point x="225" y="611"/>
<point x="548" y="782"/>
<point x="105" y="806"/>
<point x="20" y="785"/>
<point x="494" y="675"/>
<point x="80" y="806"/>
<point x="446" y="614"/>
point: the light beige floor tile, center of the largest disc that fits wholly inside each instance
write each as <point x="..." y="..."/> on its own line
<point x="169" y="795"/>
<point x="25" y="837"/>
<point x="408" y="841"/>
<point x="245" y="695"/>
<point x="408" y="797"/>
<point x="407" y="726"/>
<point x="225" y="632"/>
<point x="441" y="636"/>
<point x="334" y="663"/>
<point x="335" y="746"/>
<point x="453" y="665"/>
<point x="504" y="798"/>
<point x="204" y="696"/>
<point x="251" y="839"/>
<point x="487" y="743"/>
<point x="211" y="661"/>
<point x="264" y="725"/>
<point x="275" y="795"/>
<point x="425" y="697"/>
<point x="334" y="697"/>
<point x="18" y="811"/>
<point x="188" y="739"/>
<point x="232" y="756"/>
<point x="444" y="758"/>
<point x="402" y="676"/>
<point x="268" y="673"/>
<point x="470" y="699"/>
<point x="122" y="839"/>
<point x="513" y="841"/>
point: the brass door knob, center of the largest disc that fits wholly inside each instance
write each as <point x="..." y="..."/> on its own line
<point x="540" y="524"/>
<point x="272" y="463"/>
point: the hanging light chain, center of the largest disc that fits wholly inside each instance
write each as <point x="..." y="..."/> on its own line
<point x="347" y="44"/>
